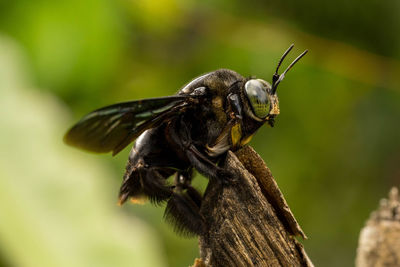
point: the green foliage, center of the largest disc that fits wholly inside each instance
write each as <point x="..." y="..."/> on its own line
<point x="56" y="209"/>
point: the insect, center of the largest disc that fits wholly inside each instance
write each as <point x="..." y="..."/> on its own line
<point x="214" y="113"/>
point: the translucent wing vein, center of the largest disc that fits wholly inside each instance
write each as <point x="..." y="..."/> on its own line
<point x="111" y="128"/>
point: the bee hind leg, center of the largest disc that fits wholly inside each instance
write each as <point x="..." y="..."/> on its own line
<point x="154" y="185"/>
<point x="144" y="181"/>
<point x="183" y="208"/>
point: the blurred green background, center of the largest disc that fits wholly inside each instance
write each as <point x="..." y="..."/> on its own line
<point x="334" y="151"/>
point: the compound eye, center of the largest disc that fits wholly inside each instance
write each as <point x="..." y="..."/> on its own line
<point x="257" y="94"/>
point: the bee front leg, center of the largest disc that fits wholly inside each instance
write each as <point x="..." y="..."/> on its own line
<point x="196" y="158"/>
<point x="207" y="167"/>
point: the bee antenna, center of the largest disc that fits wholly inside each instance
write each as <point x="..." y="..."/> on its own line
<point x="276" y="75"/>
<point x="276" y="78"/>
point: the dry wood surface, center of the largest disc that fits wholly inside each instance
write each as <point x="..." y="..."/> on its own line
<point x="248" y="220"/>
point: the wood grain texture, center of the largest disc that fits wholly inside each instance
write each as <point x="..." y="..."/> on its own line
<point x="379" y="243"/>
<point x="249" y="225"/>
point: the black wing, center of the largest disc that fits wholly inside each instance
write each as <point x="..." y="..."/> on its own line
<point x="114" y="127"/>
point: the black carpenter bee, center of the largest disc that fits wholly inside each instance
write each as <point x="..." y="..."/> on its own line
<point x="214" y="113"/>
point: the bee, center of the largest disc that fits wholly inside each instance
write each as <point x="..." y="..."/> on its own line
<point x="175" y="135"/>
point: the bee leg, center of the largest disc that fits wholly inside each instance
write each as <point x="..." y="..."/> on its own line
<point x="197" y="159"/>
<point x="183" y="178"/>
<point x="154" y="186"/>
<point x="131" y="186"/>
<point x="182" y="182"/>
<point x="144" y="181"/>
<point x="207" y="167"/>
<point x="183" y="208"/>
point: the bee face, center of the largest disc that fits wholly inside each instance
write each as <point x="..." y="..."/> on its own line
<point x="261" y="96"/>
<point x="262" y="101"/>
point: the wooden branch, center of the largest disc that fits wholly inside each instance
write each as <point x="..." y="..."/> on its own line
<point x="379" y="243"/>
<point x="248" y="221"/>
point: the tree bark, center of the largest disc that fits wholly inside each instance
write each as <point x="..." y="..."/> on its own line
<point x="248" y="220"/>
<point x="379" y="243"/>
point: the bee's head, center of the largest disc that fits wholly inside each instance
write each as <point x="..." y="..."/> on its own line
<point x="261" y="95"/>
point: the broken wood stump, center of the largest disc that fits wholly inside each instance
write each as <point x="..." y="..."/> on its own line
<point x="248" y="222"/>
<point x="379" y="243"/>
